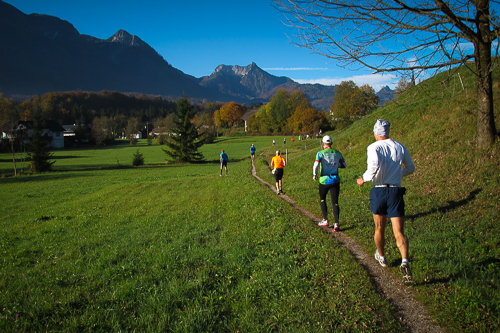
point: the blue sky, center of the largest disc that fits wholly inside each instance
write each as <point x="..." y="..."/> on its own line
<point x="198" y="35"/>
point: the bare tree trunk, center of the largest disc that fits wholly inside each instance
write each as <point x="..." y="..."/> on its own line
<point x="13" y="156"/>
<point x="485" y="117"/>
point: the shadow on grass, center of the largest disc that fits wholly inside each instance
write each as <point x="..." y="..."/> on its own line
<point x="221" y="140"/>
<point x="487" y="263"/>
<point x="451" y="205"/>
<point x="67" y="157"/>
<point x="346" y="228"/>
<point x="232" y="160"/>
<point x="60" y="174"/>
<point x="26" y="178"/>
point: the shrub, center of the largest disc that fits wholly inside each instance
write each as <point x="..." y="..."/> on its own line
<point x="138" y="158"/>
<point x="160" y="139"/>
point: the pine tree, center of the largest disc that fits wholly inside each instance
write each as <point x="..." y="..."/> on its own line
<point x="138" y="158"/>
<point x="185" y="140"/>
<point x="39" y="152"/>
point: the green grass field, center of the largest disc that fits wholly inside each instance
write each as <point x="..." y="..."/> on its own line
<point x="99" y="245"/>
<point x="172" y="248"/>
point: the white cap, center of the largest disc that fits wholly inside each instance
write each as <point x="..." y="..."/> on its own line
<point x="382" y="128"/>
<point x="327" y="139"/>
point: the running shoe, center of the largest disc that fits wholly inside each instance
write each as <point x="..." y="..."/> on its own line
<point x="407" y="277"/>
<point x="323" y="223"/>
<point x="382" y="261"/>
<point x="336" y="227"/>
<point x="278" y="192"/>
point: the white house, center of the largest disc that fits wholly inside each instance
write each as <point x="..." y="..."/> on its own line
<point x="52" y="129"/>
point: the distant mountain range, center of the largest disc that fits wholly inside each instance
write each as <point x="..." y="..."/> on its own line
<point x="42" y="53"/>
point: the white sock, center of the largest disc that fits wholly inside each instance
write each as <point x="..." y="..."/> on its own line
<point x="405" y="261"/>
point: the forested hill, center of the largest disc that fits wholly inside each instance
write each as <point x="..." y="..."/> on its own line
<point x="83" y="107"/>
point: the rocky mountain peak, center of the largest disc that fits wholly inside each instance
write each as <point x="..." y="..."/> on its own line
<point x="235" y="70"/>
<point x="125" y="38"/>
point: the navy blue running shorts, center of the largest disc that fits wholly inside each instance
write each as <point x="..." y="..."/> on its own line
<point x="388" y="201"/>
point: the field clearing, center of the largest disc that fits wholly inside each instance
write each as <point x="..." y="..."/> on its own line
<point x="172" y="248"/>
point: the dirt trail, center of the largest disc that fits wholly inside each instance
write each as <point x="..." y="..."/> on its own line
<point x="412" y="313"/>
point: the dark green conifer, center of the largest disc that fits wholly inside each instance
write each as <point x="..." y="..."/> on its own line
<point x="184" y="141"/>
<point x="39" y="148"/>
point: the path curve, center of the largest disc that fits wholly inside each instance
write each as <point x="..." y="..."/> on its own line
<point x="412" y="313"/>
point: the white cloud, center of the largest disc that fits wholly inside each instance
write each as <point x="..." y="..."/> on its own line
<point x="296" y="69"/>
<point x="377" y="81"/>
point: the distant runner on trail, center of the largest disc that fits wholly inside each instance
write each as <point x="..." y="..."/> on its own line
<point x="278" y="163"/>
<point x="328" y="161"/>
<point x="252" y="152"/>
<point x="385" y="158"/>
<point x="223" y="161"/>
<point x="274" y="142"/>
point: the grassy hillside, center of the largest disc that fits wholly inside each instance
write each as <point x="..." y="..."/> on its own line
<point x="453" y="198"/>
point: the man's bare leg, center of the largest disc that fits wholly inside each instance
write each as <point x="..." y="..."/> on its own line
<point x="398" y="224"/>
<point x="379" y="237"/>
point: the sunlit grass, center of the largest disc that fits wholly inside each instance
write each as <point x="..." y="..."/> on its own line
<point x="174" y="248"/>
<point x="453" y="200"/>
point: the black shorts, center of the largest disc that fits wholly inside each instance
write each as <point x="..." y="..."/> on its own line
<point x="278" y="174"/>
<point x="223" y="163"/>
<point x="388" y="201"/>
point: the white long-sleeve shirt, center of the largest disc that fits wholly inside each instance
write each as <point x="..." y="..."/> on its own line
<point x="385" y="158"/>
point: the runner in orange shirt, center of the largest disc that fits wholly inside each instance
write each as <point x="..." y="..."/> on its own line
<point x="278" y="163"/>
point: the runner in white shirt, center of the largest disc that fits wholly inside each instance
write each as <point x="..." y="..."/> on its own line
<point x="385" y="159"/>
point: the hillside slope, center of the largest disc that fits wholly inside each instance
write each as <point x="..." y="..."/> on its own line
<point x="453" y="198"/>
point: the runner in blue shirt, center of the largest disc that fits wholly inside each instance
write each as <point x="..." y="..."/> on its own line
<point x="223" y="161"/>
<point x="252" y="152"/>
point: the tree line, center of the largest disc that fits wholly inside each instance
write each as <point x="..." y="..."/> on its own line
<point x="292" y="112"/>
<point x="103" y="117"/>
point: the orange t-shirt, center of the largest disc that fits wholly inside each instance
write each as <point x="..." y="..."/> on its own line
<point x="278" y="162"/>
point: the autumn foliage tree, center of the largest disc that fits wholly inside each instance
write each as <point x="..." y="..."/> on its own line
<point x="306" y="119"/>
<point x="229" y="114"/>
<point x="352" y="102"/>
<point x="132" y="130"/>
<point x="101" y="131"/>
<point x="290" y="112"/>
<point x="8" y="114"/>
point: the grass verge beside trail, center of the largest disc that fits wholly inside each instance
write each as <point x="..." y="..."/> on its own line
<point x="174" y="248"/>
<point x="452" y="201"/>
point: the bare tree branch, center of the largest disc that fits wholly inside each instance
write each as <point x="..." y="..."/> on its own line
<point x="402" y="35"/>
